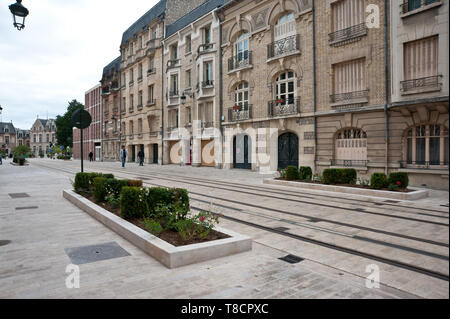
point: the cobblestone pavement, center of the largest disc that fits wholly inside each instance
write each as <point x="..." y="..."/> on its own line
<point x="33" y="264"/>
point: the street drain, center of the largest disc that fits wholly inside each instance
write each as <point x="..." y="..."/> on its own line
<point x="281" y="229"/>
<point x="379" y="204"/>
<point x="94" y="253"/>
<point x="25" y="208"/>
<point x="314" y="220"/>
<point x="392" y="201"/>
<point x="4" y="242"/>
<point x="360" y="209"/>
<point x="18" y="195"/>
<point x="292" y="259"/>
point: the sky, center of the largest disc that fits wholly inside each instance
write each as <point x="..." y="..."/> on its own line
<point x="60" y="54"/>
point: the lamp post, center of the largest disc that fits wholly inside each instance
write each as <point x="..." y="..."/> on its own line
<point x="19" y="13"/>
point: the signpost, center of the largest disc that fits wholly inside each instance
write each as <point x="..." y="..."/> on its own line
<point x="81" y="119"/>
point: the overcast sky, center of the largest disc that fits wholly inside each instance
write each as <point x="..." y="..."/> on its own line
<point x="60" y="54"/>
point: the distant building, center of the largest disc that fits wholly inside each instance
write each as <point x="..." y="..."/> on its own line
<point x="92" y="136"/>
<point x="7" y="137"/>
<point x="23" y="137"/>
<point x="42" y="136"/>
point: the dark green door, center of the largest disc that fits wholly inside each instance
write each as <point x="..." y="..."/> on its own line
<point x="155" y="153"/>
<point x="287" y="150"/>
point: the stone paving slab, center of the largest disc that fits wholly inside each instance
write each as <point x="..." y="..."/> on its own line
<point x="35" y="261"/>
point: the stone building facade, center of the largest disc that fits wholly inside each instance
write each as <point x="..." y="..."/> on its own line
<point x="92" y="136"/>
<point x="192" y="78"/>
<point x="23" y="137"/>
<point x="111" y="111"/>
<point x="418" y="113"/>
<point x="8" y="139"/>
<point x="42" y="136"/>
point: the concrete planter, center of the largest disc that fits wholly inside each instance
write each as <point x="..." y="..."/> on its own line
<point x="167" y="254"/>
<point x="418" y="194"/>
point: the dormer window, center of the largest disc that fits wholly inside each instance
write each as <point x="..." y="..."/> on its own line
<point x="207" y="35"/>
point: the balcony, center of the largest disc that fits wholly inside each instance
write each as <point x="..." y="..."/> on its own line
<point x="421" y="85"/>
<point x="409" y="7"/>
<point x="139" y="107"/>
<point x="207" y="84"/>
<point x="131" y="109"/>
<point x="153" y="44"/>
<point x="106" y="91"/>
<point x="140" y="136"/>
<point x="350" y="97"/>
<point x="173" y="64"/>
<point x="344" y="36"/>
<point x="139" y="79"/>
<point x="240" y="61"/>
<point x="123" y="110"/>
<point x="131" y="83"/>
<point x="205" y="48"/>
<point x="283" y="107"/>
<point x="154" y="134"/>
<point x="151" y="71"/>
<point x="238" y="113"/>
<point x="349" y="163"/>
<point x="283" y="47"/>
<point x="151" y="102"/>
<point x="424" y="165"/>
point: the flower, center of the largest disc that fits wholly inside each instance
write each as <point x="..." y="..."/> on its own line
<point x="202" y="219"/>
<point x="399" y="183"/>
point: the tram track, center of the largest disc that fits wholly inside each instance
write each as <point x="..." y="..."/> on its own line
<point x="389" y="261"/>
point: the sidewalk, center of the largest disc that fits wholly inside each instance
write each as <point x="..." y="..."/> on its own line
<point x="42" y="226"/>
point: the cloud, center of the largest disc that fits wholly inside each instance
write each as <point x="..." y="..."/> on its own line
<point x="60" y="54"/>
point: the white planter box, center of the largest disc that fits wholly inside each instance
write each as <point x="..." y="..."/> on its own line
<point x="418" y="194"/>
<point x="167" y="254"/>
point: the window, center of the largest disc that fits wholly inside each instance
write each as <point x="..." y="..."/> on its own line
<point x="174" y="85"/>
<point x="6" y="140"/>
<point x="347" y="13"/>
<point x="206" y="114"/>
<point x="207" y="35"/>
<point x="151" y="93"/>
<point x="350" y="76"/>
<point x="131" y="101"/>
<point x="140" y="71"/>
<point x="421" y="58"/>
<point x="34" y="138"/>
<point x="241" y="95"/>
<point x="351" y="147"/>
<point x="208" y="73"/>
<point x="188" y="46"/>
<point x="285" y="27"/>
<point x="124" y="104"/>
<point x="241" y="47"/>
<point x="188" y="83"/>
<point x="140" y="98"/>
<point x="124" y="128"/>
<point x="174" y="52"/>
<point x="173" y="119"/>
<point x="139" y="126"/>
<point x="140" y="42"/>
<point x="427" y="145"/>
<point x="131" y="75"/>
<point x="151" y="64"/>
<point x="285" y="88"/>
<point x="48" y="138"/>
<point x="131" y="128"/>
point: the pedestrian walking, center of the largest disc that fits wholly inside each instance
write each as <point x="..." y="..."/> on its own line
<point x="1" y="159"/>
<point x="141" y="157"/>
<point x="91" y="156"/>
<point x="123" y="155"/>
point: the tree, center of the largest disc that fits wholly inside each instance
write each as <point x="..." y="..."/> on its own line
<point x="64" y="128"/>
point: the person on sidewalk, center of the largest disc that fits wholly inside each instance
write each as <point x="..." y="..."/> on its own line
<point x="91" y="156"/>
<point x="141" y="157"/>
<point x="1" y="159"/>
<point x="123" y="155"/>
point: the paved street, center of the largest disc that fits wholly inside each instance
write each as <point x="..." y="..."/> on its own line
<point x="337" y="236"/>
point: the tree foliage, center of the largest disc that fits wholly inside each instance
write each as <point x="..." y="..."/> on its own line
<point x="64" y="128"/>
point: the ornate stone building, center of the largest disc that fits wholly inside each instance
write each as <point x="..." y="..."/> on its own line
<point x="8" y="139"/>
<point x="192" y="88"/>
<point x="23" y="137"/>
<point x="43" y="136"/>
<point x="111" y="111"/>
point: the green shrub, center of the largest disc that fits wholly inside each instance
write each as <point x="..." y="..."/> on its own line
<point x="305" y="173"/>
<point x="133" y="203"/>
<point x="99" y="189"/>
<point x="292" y="173"/>
<point x="153" y="226"/>
<point x="159" y="196"/>
<point x="332" y="176"/>
<point x="114" y="186"/>
<point x="109" y="176"/>
<point x="180" y="198"/>
<point x="81" y="182"/>
<point x="393" y="187"/>
<point x="135" y="183"/>
<point x="399" y="179"/>
<point x="379" y="181"/>
<point x="92" y="176"/>
<point x="349" y="176"/>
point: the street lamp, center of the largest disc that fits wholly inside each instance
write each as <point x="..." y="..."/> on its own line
<point x="19" y="13"/>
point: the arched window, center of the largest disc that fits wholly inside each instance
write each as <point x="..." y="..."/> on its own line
<point x="286" y="40"/>
<point x="241" y="95"/>
<point x="284" y="27"/>
<point x="427" y="145"/>
<point x="241" y="48"/>
<point x="350" y="148"/>
<point x="285" y="88"/>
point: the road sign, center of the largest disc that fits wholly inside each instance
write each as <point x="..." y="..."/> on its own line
<point x="81" y="119"/>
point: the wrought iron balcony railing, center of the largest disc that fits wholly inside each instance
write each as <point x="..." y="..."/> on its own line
<point x="349" y="163"/>
<point x="284" y="46"/>
<point x="205" y="48"/>
<point x="342" y="97"/>
<point x="240" y="61"/>
<point x="424" y="164"/>
<point x="411" y="5"/>
<point x="284" y="107"/>
<point x="173" y="63"/>
<point x="173" y="93"/>
<point x="240" y="114"/>
<point x="431" y="81"/>
<point x="207" y="83"/>
<point x="351" y="33"/>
